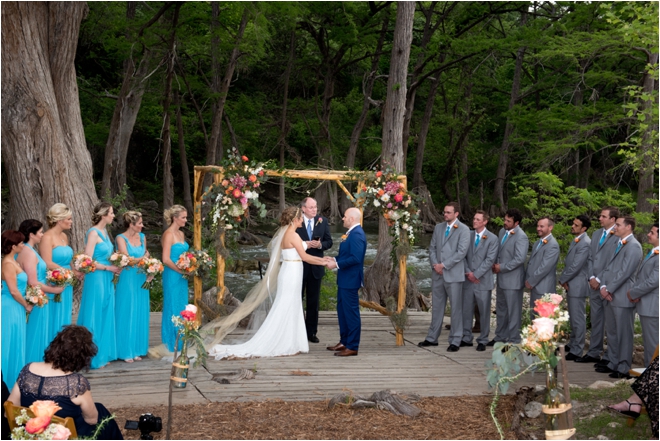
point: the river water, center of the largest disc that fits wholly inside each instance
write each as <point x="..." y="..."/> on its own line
<point x="418" y="259"/>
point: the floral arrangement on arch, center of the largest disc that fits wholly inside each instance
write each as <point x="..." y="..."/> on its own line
<point x="239" y="189"/>
<point x="383" y="190"/>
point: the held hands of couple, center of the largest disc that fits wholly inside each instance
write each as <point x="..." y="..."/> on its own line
<point x="329" y="262"/>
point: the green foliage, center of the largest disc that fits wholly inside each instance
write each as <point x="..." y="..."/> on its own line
<point x="328" y="296"/>
<point x="119" y="200"/>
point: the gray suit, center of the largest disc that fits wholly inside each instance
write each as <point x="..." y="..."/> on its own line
<point x="646" y="290"/>
<point x="619" y="278"/>
<point x="479" y="261"/>
<point x="510" y="284"/>
<point x="600" y="257"/>
<point x="450" y="251"/>
<point x="542" y="270"/>
<point x="576" y="274"/>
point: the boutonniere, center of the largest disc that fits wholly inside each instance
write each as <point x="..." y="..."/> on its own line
<point x="344" y="237"/>
<point x="545" y="241"/>
<point x="455" y="226"/>
<point x="319" y="221"/>
<point x="624" y="241"/>
<point x="484" y="237"/>
<point x="512" y="232"/>
<point x="576" y="240"/>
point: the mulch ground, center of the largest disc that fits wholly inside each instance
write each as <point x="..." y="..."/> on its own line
<point x="441" y="418"/>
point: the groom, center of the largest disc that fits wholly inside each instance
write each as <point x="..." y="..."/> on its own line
<point x="350" y="274"/>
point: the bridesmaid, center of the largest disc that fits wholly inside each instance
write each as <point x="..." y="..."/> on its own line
<point x="131" y="301"/>
<point x="175" y="286"/>
<point x="38" y="326"/>
<point x="14" y="307"/>
<point x="57" y="253"/>
<point x="97" y="306"/>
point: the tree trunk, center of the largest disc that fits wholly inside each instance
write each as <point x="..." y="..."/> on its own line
<point x="185" y="172"/>
<point x="649" y="152"/>
<point x="43" y="142"/>
<point x="502" y="166"/>
<point x="463" y="187"/>
<point x="168" y="181"/>
<point x="418" y="180"/>
<point x="284" y="127"/>
<point x="123" y="118"/>
<point x="375" y="285"/>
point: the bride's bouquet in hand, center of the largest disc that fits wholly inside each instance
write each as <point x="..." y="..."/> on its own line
<point x="121" y="261"/>
<point x="60" y="277"/>
<point x="152" y="267"/>
<point x="194" y="263"/>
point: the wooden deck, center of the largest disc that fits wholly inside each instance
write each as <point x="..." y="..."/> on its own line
<point x="379" y="365"/>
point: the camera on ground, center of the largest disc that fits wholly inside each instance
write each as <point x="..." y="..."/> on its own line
<point x="146" y="424"/>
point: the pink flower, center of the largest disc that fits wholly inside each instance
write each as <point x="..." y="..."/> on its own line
<point x="188" y="315"/>
<point x="237" y="193"/>
<point x="61" y="432"/>
<point x="243" y="201"/>
<point x="256" y="184"/>
<point x="556" y="298"/>
<point x="544" y="309"/>
<point x="389" y="205"/>
<point x="37" y="425"/>
<point x="244" y="158"/>
<point x="191" y="308"/>
<point x="544" y="328"/>
<point x="398" y="197"/>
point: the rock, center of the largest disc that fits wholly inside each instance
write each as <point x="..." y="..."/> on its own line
<point x="574" y="386"/>
<point x="600" y="384"/>
<point x="539" y="388"/>
<point x="624" y="381"/>
<point x="363" y="404"/>
<point x="601" y="437"/>
<point x="614" y="424"/>
<point x="533" y="409"/>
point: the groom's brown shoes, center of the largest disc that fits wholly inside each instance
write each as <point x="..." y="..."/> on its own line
<point x="337" y="347"/>
<point x="346" y="353"/>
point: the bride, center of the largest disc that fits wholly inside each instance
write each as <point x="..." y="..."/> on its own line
<point x="277" y="326"/>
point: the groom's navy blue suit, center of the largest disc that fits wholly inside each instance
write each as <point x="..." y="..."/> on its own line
<point x="350" y="275"/>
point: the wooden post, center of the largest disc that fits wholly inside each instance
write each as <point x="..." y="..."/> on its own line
<point x="401" y="303"/>
<point x="219" y="260"/>
<point x="197" y="232"/>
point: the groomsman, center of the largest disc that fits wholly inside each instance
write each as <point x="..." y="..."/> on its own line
<point x="616" y="281"/>
<point x="449" y="246"/>
<point x="575" y="280"/>
<point x="316" y="233"/>
<point x="541" y="275"/>
<point x="603" y="243"/>
<point x="479" y="285"/>
<point x="510" y="270"/>
<point x="644" y="294"/>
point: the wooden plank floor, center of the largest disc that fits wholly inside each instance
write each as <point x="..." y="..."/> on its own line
<point x="379" y="365"/>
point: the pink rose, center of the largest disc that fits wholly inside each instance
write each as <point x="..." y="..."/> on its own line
<point x="61" y="432"/>
<point x="544" y="328"/>
<point x="37" y="425"/>
<point x="544" y="309"/>
<point x="398" y="197"/>
<point x="556" y="298"/>
<point x="189" y="316"/>
<point x="389" y="205"/>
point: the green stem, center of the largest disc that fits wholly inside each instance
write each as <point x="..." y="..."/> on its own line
<point x="496" y="397"/>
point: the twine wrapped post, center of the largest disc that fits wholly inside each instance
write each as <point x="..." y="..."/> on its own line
<point x="197" y="232"/>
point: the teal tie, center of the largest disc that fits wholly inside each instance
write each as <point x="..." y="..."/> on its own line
<point x="539" y="245"/>
<point x="447" y="231"/>
<point x="648" y="256"/>
<point x="618" y="247"/>
<point x="506" y="235"/>
<point x="476" y="242"/>
<point x="602" y="239"/>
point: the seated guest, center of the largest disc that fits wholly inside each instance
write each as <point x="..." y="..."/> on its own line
<point x="57" y="379"/>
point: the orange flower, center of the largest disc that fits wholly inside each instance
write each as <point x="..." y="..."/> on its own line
<point x="624" y="241"/>
<point x="37" y="425"/>
<point x="545" y="241"/>
<point x="225" y="182"/>
<point x="656" y="252"/>
<point x="455" y="226"/>
<point x="237" y="193"/>
<point x="252" y="178"/>
<point x="344" y="236"/>
<point x="244" y="158"/>
<point x="577" y="240"/>
<point x="381" y="192"/>
<point x="379" y="174"/>
<point x="44" y="408"/>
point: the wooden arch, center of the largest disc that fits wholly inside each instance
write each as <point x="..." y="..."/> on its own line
<point x="316" y="175"/>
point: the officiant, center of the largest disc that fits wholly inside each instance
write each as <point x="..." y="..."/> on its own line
<point x="316" y="233"/>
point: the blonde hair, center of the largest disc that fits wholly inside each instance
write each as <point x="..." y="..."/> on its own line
<point x="101" y="209"/>
<point x="57" y="213"/>
<point x="172" y="212"/>
<point x="288" y="215"/>
<point x="131" y="217"/>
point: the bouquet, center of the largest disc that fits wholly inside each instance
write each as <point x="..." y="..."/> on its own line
<point x="40" y="426"/>
<point x="151" y="267"/>
<point x="194" y="263"/>
<point x="36" y="297"/>
<point x="121" y="261"/>
<point x="84" y="263"/>
<point x="541" y="337"/>
<point x="188" y="331"/>
<point x="60" y="277"/>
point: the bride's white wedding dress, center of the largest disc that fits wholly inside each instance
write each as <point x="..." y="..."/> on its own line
<point x="283" y="330"/>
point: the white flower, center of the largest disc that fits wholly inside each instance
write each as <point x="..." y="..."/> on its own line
<point x="404" y="226"/>
<point x="191" y="308"/>
<point x="394" y="215"/>
<point x="385" y="197"/>
<point x="376" y="203"/>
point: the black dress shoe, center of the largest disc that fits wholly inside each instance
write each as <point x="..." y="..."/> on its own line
<point x="481" y="347"/>
<point x="616" y="374"/>
<point x="567" y="348"/>
<point x="587" y="359"/>
<point x="464" y="344"/>
<point x="424" y="343"/>
<point x="601" y="363"/>
<point x="571" y="357"/>
<point x="604" y="370"/>
<point x="313" y="339"/>
<point x="491" y="343"/>
<point x="452" y="348"/>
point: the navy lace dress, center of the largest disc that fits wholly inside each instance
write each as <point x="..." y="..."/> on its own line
<point x="61" y="389"/>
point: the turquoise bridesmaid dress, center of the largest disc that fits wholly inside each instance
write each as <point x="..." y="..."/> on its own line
<point x="37" y="335"/>
<point x="97" y="306"/>
<point x="175" y="296"/>
<point x="13" y="332"/>
<point x="60" y="313"/>
<point x="132" y="307"/>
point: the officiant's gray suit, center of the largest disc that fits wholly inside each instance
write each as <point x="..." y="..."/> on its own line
<point x="600" y="257"/>
<point x="479" y="261"/>
<point x="619" y="277"/>
<point x="542" y="270"/>
<point x="510" y="283"/>
<point x="451" y="252"/>
<point x="576" y="274"/>
<point x="646" y="290"/>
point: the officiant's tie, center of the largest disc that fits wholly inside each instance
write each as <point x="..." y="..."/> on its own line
<point x="309" y="229"/>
